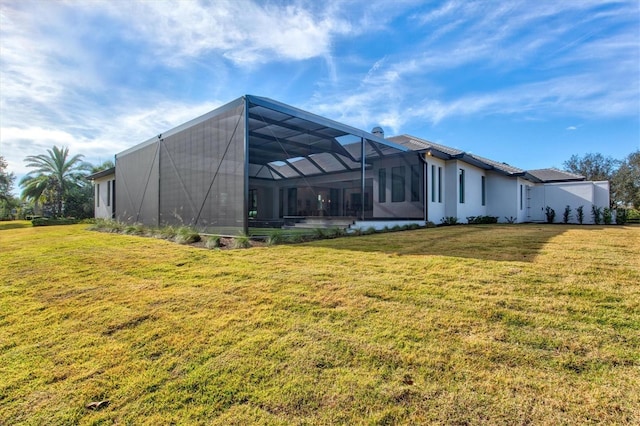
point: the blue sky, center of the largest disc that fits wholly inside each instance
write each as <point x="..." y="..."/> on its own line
<point x="525" y="82"/>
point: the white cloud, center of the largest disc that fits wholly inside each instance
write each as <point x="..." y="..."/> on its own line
<point x="571" y="128"/>
<point x="245" y="32"/>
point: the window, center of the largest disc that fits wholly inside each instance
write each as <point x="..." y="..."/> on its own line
<point x="382" y="185"/>
<point x="397" y="184"/>
<point x="461" y="186"/>
<point x="483" y="184"/>
<point x="97" y="195"/>
<point x="433" y="183"/>
<point x="108" y="193"/>
<point x="439" y="184"/>
<point x="415" y="182"/>
<point x="521" y="197"/>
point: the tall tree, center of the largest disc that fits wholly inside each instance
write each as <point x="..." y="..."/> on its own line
<point x="54" y="175"/>
<point x="592" y="166"/>
<point x="6" y="180"/>
<point x="627" y="181"/>
<point x="104" y="166"/>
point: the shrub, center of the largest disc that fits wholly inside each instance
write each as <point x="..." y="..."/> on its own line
<point x="580" y="213"/>
<point x="338" y="232"/>
<point x="320" y="233"/>
<point x="550" y="213"/>
<point x="607" y="216"/>
<point x="370" y="230"/>
<point x="430" y="224"/>
<point x="135" y="229"/>
<point x="276" y="237"/>
<point x="596" y="213"/>
<point x="186" y="235"/>
<point x="510" y="219"/>
<point x="449" y="220"/>
<point x="241" y="241"/>
<point x="413" y="226"/>
<point x="479" y="220"/>
<point x="567" y="214"/>
<point x="44" y="221"/>
<point x="212" y="242"/>
<point x="166" y="232"/>
<point x="621" y="216"/>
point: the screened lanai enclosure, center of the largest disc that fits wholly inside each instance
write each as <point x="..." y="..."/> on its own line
<point x="255" y="163"/>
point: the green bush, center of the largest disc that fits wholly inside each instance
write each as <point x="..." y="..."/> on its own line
<point x="241" y="242"/>
<point x="607" y="216"/>
<point x="580" y="213"/>
<point x="212" y="242"/>
<point x="276" y="237"/>
<point x="596" y="213"/>
<point x="550" y="213"/>
<point x="186" y="235"/>
<point x="479" y="220"/>
<point x="567" y="214"/>
<point x="44" y="221"/>
<point x="449" y="220"/>
<point x="621" y="216"/>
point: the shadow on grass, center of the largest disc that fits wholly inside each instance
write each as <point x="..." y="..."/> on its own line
<point x="15" y="224"/>
<point x="484" y="242"/>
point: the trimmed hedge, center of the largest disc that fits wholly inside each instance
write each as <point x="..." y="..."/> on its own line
<point x="45" y="221"/>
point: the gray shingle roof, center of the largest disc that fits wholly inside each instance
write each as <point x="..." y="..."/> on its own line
<point x="554" y="175"/>
<point x="418" y="144"/>
<point x="498" y="165"/>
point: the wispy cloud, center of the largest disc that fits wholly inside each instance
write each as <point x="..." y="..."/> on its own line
<point x="244" y="32"/>
<point x="569" y="65"/>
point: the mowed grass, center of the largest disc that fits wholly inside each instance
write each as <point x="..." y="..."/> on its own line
<point x="489" y="324"/>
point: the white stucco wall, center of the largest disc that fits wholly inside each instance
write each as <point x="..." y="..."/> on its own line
<point x="601" y="193"/>
<point x="574" y="194"/>
<point x="501" y="193"/>
<point x="523" y="200"/>
<point x="472" y="205"/>
<point x="436" y="193"/>
<point x="103" y="189"/>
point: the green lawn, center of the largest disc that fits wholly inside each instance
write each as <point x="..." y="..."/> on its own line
<point x="488" y="324"/>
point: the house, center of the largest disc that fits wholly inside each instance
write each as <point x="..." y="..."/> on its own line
<point x="104" y="186"/>
<point x="256" y="163"/>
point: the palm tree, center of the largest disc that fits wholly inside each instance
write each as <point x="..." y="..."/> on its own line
<point x="53" y="175"/>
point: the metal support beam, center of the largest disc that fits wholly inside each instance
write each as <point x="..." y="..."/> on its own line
<point x="362" y="168"/>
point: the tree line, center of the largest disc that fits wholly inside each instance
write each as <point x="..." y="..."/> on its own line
<point x="57" y="184"/>
<point x="623" y="175"/>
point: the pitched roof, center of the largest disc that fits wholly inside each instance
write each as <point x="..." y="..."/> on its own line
<point x="418" y="144"/>
<point x="102" y="173"/>
<point x="555" y="175"/>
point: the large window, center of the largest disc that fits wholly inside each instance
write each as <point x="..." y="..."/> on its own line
<point x="439" y="184"/>
<point x="397" y="184"/>
<point x="461" y="185"/>
<point x="382" y="185"/>
<point x="415" y="182"/>
<point x="483" y="189"/>
<point x="433" y="183"/>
